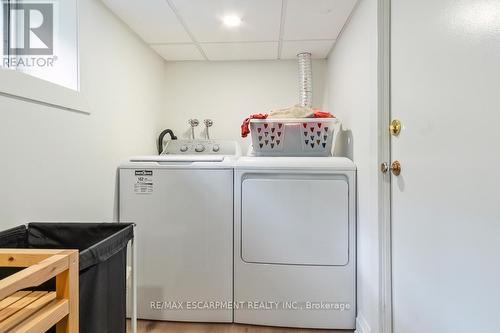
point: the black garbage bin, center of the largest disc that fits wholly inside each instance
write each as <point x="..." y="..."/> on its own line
<point x="103" y="266"/>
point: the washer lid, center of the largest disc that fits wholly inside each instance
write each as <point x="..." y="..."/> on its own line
<point x="178" y="158"/>
<point x="330" y="163"/>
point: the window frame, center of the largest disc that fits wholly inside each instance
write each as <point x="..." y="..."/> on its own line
<point x="24" y="87"/>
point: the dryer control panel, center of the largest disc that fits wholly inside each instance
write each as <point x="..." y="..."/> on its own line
<point x="194" y="147"/>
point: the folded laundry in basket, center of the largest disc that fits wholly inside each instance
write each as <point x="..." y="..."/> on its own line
<point x="245" y="130"/>
<point x="295" y="111"/>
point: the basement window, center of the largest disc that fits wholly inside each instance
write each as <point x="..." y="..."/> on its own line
<point x="40" y="44"/>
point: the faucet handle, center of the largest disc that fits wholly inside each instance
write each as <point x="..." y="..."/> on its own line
<point x="193" y="123"/>
<point x="208" y="123"/>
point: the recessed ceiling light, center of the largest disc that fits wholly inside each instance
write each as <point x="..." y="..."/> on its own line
<point x="231" y="21"/>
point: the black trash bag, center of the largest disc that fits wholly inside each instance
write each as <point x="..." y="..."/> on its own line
<point x="103" y="265"/>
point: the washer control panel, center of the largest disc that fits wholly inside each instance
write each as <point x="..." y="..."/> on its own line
<point x="194" y="147"/>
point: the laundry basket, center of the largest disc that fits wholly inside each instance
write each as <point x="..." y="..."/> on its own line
<point x="294" y="137"/>
<point x="103" y="255"/>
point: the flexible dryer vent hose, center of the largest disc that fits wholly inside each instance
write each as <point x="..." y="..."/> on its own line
<point x="305" y="79"/>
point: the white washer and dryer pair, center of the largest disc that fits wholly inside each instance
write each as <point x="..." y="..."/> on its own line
<point x="255" y="240"/>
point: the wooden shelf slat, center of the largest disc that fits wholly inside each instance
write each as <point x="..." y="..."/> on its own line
<point x="25" y="312"/>
<point x="20" y="305"/>
<point x="13" y="299"/>
<point x="45" y="318"/>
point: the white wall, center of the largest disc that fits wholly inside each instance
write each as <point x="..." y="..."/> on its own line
<point x="228" y="92"/>
<point x="352" y="95"/>
<point x="60" y="165"/>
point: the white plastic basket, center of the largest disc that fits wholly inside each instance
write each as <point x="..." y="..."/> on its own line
<point x="294" y="137"/>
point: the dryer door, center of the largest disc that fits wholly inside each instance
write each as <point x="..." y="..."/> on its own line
<point x="295" y="219"/>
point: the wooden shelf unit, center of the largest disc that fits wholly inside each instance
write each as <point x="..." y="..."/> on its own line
<point x="23" y="311"/>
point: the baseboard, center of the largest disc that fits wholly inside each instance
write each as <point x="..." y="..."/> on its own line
<point x="362" y="325"/>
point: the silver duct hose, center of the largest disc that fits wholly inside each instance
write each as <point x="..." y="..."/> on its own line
<point x="305" y="80"/>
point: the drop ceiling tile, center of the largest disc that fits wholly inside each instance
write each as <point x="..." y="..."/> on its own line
<point x="318" y="49"/>
<point x="241" y="51"/>
<point x="317" y="19"/>
<point x="178" y="52"/>
<point x="203" y="18"/>
<point x="153" y="20"/>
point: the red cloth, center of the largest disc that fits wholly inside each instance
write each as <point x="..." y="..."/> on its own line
<point x="245" y="130"/>
<point x="321" y="114"/>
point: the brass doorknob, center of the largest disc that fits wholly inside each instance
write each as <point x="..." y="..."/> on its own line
<point x="395" y="127"/>
<point x="395" y="168"/>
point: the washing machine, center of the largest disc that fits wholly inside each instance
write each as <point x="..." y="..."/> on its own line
<point x="182" y="204"/>
<point x="295" y="242"/>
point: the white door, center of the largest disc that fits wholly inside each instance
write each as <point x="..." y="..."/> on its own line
<point x="446" y="202"/>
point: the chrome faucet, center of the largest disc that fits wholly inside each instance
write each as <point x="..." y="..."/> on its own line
<point x="208" y="123"/>
<point x="193" y="123"/>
